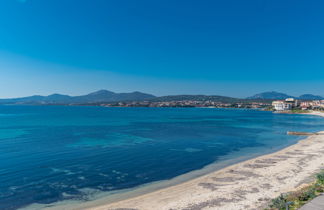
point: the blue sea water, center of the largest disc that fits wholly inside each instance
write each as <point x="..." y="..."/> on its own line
<point x="53" y="153"/>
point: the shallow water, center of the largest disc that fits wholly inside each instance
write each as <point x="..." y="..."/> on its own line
<point x="54" y="153"/>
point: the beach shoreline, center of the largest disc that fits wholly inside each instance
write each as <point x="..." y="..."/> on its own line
<point x="250" y="184"/>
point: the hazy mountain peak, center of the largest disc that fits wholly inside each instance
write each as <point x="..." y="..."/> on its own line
<point x="56" y="95"/>
<point x="270" y="95"/>
<point x="278" y="95"/>
<point x="101" y="92"/>
<point x="311" y="97"/>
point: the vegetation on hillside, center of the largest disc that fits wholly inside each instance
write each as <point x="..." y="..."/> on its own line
<point x="299" y="111"/>
<point x="269" y="108"/>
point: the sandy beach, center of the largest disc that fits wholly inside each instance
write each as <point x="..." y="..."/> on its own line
<point x="247" y="185"/>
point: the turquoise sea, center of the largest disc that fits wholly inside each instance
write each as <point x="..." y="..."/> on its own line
<point x="56" y="153"/>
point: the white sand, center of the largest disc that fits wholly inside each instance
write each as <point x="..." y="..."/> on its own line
<point x="316" y="113"/>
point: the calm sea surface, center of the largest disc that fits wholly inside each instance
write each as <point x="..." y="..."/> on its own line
<point x="53" y="153"/>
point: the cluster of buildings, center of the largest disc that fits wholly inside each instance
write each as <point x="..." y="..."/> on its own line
<point x="186" y="103"/>
<point x="278" y="105"/>
<point x="291" y="103"/>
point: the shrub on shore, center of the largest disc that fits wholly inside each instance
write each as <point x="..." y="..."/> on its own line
<point x="298" y="198"/>
<point x="320" y="177"/>
<point x="279" y="202"/>
<point x="299" y="111"/>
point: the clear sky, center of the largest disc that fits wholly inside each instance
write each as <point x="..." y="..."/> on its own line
<point x="222" y="47"/>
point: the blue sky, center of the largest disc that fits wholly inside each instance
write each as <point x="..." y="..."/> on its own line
<point x="231" y="47"/>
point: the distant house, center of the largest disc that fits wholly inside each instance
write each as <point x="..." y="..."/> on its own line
<point x="306" y="104"/>
<point x="292" y="101"/>
<point x="316" y="104"/>
<point x="312" y="104"/>
<point x="282" y="105"/>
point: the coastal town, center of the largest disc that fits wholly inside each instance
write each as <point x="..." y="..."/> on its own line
<point x="188" y="103"/>
<point x="276" y="105"/>
<point x="294" y="104"/>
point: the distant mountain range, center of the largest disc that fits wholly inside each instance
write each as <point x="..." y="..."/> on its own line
<point x="276" y="96"/>
<point x="102" y="96"/>
<point x="95" y="97"/>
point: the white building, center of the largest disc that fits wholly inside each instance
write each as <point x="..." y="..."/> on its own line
<point x="281" y="105"/>
<point x="292" y="101"/>
<point x="312" y="104"/>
